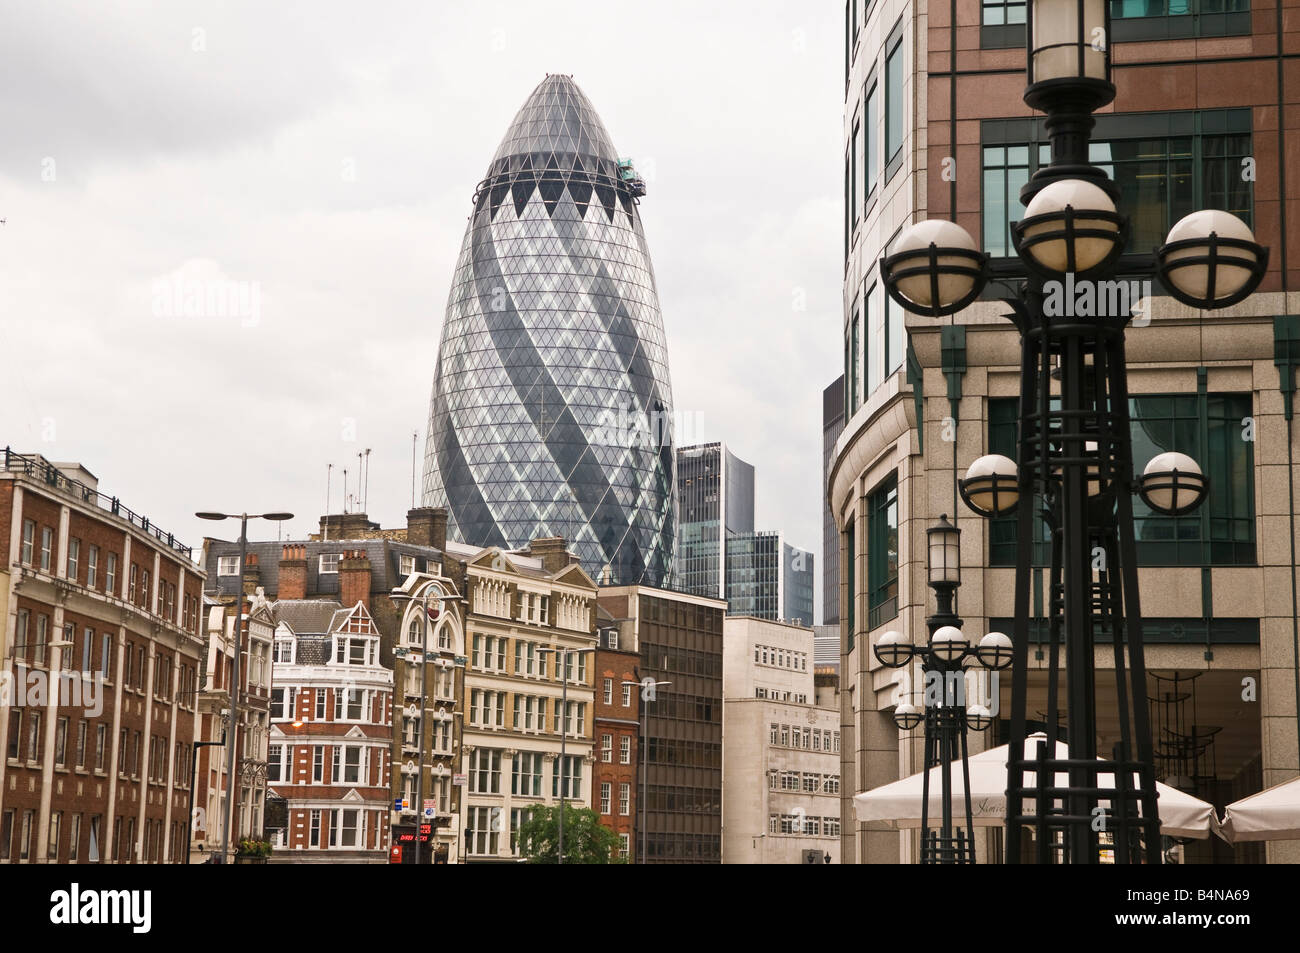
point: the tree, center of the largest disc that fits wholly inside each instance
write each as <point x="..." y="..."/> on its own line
<point x="585" y="840"/>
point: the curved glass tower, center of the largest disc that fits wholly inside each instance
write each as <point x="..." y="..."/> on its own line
<point x="551" y="407"/>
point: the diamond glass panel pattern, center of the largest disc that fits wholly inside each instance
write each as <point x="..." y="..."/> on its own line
<point x="551" y="406"/>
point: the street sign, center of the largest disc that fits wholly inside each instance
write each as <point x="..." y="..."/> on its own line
<point x="458" y="780"/>
<point x="397" y="805"/>
<point x="428" y="807"/>
<point x="395" y="855"/>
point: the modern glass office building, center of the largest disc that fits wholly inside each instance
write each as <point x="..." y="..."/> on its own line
<point x="551" y="407"/>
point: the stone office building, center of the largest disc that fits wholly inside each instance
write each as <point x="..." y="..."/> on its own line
<point x="780" y="751"/>
<point x="1202" y="94"/>
<point x="105" y="607"/>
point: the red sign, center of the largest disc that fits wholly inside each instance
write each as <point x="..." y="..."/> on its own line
<point x="395" y="855"/>
<point x="435" y="611"/>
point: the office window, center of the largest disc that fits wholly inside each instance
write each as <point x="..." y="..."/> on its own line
<point x="774" y="736"/>
<point x="999" y="12"/>
<point x="14" y="742"/>
<point x="61" y="743"/>
<point x="1171" y="19"/>
<point x="313" y="837"/>
<point x="526" y="774"/>
<point x="624" y="799"/>
<point x="318" y="763"/>
<point x="1207" y="427"/>
<point x="519" y="816"/>
<point x="853" y="175"/>
<point x="624" y="845"/>
<point x="34" y="736"/>
<point x="227" y="565"/>
<point x="1166" y="165"/>
<point x="627" y="696"/>
<point x="853" y="370"/>
<point x="882" y="553"/>
<point x="871" y="141"/>
<point x="92" y="567"/>
<point x="29" y="541"/>
<point x="47" y="548"/>
<point x="81" y="744"/>
<point x="606" y="789"/>
<point x="110" y="574"/>
<point x="328" y="563"/>
<point x="485" y="771"/>
<point x="895" y="336"/>
<point x="609" y="691"/>
<point x="606" y="748"/>
<point x="483" y="827"/>
<point x="625" y="750"/>
<point x="570" y="768"/>
<point x="344" y="827"/>
<point x="407" y="565"/>
<point x="101" y="746"/>
<point x="25" y="836"/>
<point x="895" y="110"/>
<point x="74" y="558"/>
<point x="320" y="704"/>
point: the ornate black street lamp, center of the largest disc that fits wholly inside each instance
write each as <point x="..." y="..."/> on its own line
<point x="945" y="711"/>
<point x="1075" y="462"/>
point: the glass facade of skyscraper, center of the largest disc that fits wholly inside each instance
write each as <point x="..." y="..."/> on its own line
<point x="551" y="412"/>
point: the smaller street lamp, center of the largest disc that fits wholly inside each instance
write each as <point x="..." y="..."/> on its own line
<point x="1210" y="259"/>
<point x="228" y="814"/>
<point x="653" y="685"/>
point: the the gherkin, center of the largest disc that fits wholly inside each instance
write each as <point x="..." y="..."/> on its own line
<point x="551" y="407"/>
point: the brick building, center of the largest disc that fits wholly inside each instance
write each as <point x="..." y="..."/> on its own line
<point x="329" y="752"/>
<point x="678" y="637"/>
<point x="352" y="559"/>
<point x="617" y="726"/>
<point x="97" y="770"/>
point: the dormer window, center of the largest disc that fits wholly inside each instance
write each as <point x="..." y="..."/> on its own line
<point x="329" y="563"/>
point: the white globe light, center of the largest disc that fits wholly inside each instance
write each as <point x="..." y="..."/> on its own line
<point x="994" y="650"/>
<point x="907" y="716"/>
<point x="1172" y="483"/>
<point x="891" y="650"/>
<point x="942" y="234"/>
<point x="1083" y="197"/>
<point x="1194" y="280"/>
<point x="978" y="717"/>
<point x="948" y="644"/>
<point x="990" y="486"/>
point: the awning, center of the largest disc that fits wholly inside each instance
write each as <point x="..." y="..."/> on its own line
<point x="898" y="805"/>
<point x="1272" y="814"/>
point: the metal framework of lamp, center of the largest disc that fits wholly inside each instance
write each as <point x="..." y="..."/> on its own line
<point x="228" y="810"/>
<point x="432" y="593"/>
<point x="947" y="718"/>
<point x="1074" y="452"/>
<point x="934" y="268"/>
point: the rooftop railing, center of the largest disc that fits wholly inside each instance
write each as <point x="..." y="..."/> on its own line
<point x="41" y="469"/>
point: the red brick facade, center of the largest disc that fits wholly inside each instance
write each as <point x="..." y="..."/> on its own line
<point x="99" y="771"/>
<point x="616" y="750"/>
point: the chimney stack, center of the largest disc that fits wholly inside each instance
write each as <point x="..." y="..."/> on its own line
<point x="252" y="573"/>
<point x="427" y="526"/>
<point x="354" y="578"/>
<point x="553" y="552"/>
<point x="293" y="573"/>
<point x="344" y="526"/>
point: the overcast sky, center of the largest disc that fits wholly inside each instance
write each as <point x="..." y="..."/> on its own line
<point x="319" y="161"/>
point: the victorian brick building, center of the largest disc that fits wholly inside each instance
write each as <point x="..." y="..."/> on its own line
<point x="98" y="658"/>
